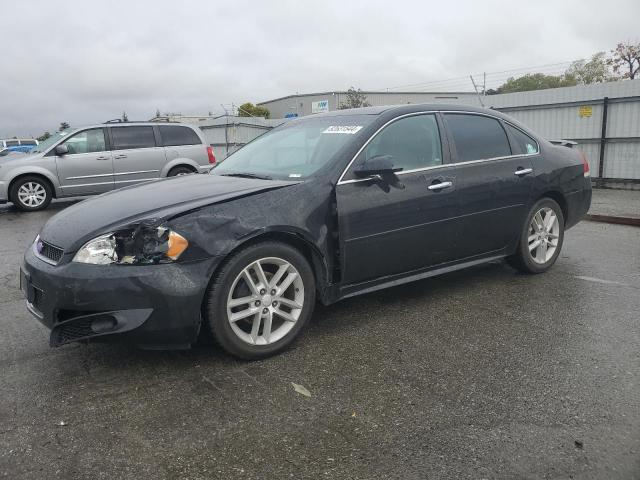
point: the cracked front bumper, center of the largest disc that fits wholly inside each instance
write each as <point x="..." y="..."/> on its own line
<point x="155" y="306"/>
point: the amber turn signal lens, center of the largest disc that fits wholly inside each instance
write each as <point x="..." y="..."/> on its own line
<point x="177" y="245"/>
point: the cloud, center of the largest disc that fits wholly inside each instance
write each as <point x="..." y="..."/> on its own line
<point x="86" y="62"/>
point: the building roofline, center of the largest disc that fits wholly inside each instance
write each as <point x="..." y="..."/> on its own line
<point x="368" y="92"/>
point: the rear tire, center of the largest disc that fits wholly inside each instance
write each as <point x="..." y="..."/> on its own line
<point x="259" y="319"/>
<point x="31" y="193"/>
<point x="180" y="170"/>
<point x="541" y="238"/>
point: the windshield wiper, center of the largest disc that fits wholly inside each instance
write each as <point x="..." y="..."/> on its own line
<point x="247" y="175"/>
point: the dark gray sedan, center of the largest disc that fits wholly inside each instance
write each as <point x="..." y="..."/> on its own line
<point x="323" y="207"/>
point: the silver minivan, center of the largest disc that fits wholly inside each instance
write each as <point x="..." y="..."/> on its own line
<point x="99" y="158"/>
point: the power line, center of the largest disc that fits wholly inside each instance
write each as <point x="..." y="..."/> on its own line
<point x="493" y="77"/>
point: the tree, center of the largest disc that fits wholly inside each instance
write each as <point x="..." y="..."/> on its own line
<point x="625" y="60"/>
<point x="63" y="126"/>
<point x="596" y="70"/>
<point x="535" y="81"/>
<point x="157" y="112"/>
<point x="43" y="137"/>
<point x="250" y="110"/>
<point x="355" y="99"/>
<point x="124" y="116"/>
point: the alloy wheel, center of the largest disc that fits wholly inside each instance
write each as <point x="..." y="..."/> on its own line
<point x="32" y="194"/>
<point x="265" y="301"/>
<point x="544" y="232"/>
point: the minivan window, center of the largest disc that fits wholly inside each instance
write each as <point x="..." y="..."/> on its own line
<point x="88" y="141"/>
<point x="28" y="142"/>
<point x="12" y="143"/>
<point x="413" y="142"/>
<point x="173" y="136"/>
<point x="524" y="144"/>
<point x="477" y="137"/>
<point x="132" y="137"/>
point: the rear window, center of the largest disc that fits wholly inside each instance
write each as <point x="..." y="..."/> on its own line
<point x="173" y="136"/>
<point x="477" y="137"/>
<point x="523" y="143"/>
<point x="132" y="137"/>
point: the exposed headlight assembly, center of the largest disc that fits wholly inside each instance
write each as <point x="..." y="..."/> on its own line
<point x="142" y="244"/>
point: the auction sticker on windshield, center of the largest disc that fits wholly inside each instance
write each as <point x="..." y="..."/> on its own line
<point x="348" y="129"/>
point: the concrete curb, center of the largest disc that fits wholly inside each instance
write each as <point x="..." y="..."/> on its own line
<point x="633" y="221"/>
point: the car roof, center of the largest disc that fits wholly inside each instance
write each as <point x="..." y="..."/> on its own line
<point x="412" y="107"/>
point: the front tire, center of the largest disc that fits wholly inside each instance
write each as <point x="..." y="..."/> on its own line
<point x="260" y="300"/>
<point x="541" y="238"/>
<point x="31" y="193"/>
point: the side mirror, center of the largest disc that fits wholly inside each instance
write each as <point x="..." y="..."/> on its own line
<point x="62" y="150"/>
<point x="382" y="165"/>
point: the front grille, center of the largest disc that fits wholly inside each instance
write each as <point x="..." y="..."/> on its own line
<point x="49" y="251"/>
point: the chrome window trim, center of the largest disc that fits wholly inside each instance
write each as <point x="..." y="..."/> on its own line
<point x="468" y="162"/>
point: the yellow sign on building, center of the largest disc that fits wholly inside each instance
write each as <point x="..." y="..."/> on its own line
<point x="585" y="111"/>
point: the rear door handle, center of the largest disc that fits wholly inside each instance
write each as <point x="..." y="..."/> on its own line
<point x="120" y="156"/>
<point x="523" y="171"/>
<point x="440" y="186"/>
<point x="103" y="158"/>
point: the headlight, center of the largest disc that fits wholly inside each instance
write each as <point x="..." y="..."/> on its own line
<point x="141" y="244"/>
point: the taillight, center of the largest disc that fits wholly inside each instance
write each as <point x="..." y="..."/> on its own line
<point x="585" y="165"/>
<point x="212" y="157"/>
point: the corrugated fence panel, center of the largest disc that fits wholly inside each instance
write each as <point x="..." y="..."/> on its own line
<point x="623" y="119"/>
<point x="561" y="122"/>
<point x="622" y="160"/>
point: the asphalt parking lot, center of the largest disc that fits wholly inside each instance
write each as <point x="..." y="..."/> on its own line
<point x="479" y="374"/>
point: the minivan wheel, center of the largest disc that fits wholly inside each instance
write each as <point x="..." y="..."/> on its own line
<point x="30" y="193"/>
<point x="541" y="238"/>
<point x="181" y="170"/>
<point x="260" y="300"/>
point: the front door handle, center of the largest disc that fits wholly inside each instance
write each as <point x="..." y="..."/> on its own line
<point x="523" y="171"/>
<point x="440" y="186"/>
<point x="103" y="158"/>
<point x="120" y="156"/>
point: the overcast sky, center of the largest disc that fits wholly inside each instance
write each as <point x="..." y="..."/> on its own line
<point x="85" y="62"/>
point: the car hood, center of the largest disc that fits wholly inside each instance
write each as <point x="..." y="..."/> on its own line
<point x="164" y="199"/>
<point x="18" y="156"/>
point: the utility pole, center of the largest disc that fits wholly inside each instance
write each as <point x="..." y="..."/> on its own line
<point x="476" y="89"/>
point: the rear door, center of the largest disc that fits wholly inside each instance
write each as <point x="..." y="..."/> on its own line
<point x="137" y="154"/>
<point x="387" y="230"/>
<point x="183" y="142"/>
<point x="87" y="168"/>
<point x="494" y="182"/>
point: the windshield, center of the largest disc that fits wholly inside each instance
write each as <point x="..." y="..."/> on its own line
<point x="295" y="150"/>
<point x="45" y="144"/>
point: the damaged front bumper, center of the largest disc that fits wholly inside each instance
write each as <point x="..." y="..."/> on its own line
<point x="154" y="306"/>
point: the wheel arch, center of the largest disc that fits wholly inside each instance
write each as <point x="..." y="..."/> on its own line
<point x="295" y="239"/>
<point x="560" y="199"/>
<point x="44" y="176"/>
<point x="179" y="162"/>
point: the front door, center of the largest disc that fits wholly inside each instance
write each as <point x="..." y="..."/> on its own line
<point x="87" y="168"/>
<point x="494" y="180"/>
<point x="391" y="229"/>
